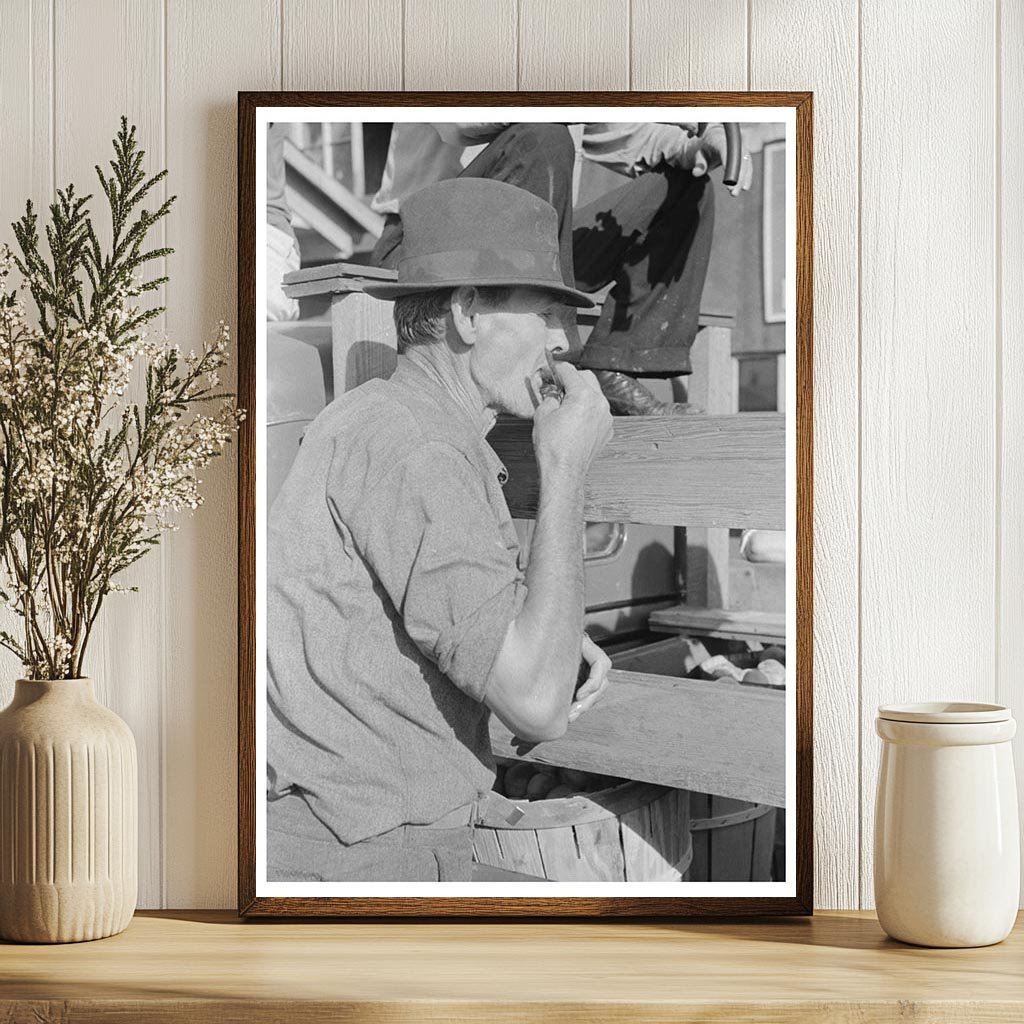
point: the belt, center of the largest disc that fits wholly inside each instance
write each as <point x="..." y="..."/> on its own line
<point x="464" y="815"/>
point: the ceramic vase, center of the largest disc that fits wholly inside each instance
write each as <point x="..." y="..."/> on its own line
<point x="68" y="815"/>
<point x="947" y="847"/>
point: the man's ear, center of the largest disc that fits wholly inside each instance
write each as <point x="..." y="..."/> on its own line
<point x="465" y="306"/>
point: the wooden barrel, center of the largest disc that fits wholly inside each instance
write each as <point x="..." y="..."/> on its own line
<point x="733" y="840"/>
<point x="631" y="832"/>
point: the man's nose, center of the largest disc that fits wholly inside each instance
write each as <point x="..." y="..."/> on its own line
<point x="565" y="339"/>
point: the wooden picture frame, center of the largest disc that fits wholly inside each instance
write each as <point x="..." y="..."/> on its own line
<point x="707" y="467"/>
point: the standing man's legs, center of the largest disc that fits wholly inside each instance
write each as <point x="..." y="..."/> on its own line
<point x="536" y="157"/>
<point x="652" y="237"/>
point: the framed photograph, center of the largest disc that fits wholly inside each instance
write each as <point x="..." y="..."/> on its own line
<point x="525" y="504"/>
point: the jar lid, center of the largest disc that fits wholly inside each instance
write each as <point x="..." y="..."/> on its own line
<point x="945" y="713"/>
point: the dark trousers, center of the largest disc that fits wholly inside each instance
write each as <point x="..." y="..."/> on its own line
<point x="650" y="238"/>
<point x="300" y="848"/>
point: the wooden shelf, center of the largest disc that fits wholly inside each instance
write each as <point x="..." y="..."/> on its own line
<point x="768" y="627"/>
<point x="209" y="967"/>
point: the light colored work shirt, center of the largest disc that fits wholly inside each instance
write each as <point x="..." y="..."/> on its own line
<point x="392" y="579"/>
<point x="422" y="153"/>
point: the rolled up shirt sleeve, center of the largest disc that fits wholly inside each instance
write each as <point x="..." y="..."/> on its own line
<point x="430" y="536"/>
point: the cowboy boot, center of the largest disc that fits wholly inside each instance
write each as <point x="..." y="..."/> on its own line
<point x="628" y="397"/>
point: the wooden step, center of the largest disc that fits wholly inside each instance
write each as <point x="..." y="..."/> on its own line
<point x="768" y="627"/>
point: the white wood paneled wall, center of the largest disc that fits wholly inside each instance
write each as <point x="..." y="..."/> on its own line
<point x="919" y="307"/>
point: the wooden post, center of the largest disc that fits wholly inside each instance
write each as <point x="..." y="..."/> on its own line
<point x="712" y="389"/>
<point x="363" y="335"/>
<point x="358" y="159"/>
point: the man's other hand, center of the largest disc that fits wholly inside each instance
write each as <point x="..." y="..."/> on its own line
<point x="596" y="683"/>
<point x="708" y="151"/>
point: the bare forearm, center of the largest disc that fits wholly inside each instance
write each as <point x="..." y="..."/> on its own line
<point x="534" y="676"/>
<point x="551" y="620"/>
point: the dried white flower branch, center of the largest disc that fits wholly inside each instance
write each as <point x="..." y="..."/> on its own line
<point x="88" y="478"/>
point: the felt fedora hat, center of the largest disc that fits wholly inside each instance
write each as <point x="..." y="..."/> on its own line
<point x="475" y="231"/>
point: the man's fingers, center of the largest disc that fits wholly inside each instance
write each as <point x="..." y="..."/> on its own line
<point x="572" y="378"/>
<point x="596" y="682"/>
<point x="746" y="176"/>
<point x="584" y="705"/>
<point x="593" y="683"/>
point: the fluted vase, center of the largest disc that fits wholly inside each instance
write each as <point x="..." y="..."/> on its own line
<point x="68" y="815"/>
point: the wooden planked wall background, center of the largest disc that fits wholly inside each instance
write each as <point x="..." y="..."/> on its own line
<point x="919" y="307"/>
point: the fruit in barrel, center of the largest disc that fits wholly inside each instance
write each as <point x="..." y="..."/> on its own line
<point x="775" y="672"/>
<point x="540" y="785"/>
<point x="517" y="776"/>
<point x="773" y="653"/>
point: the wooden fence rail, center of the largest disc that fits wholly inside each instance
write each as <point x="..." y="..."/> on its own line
<point x="712" y="737"/>
<point x="708" y="471"/>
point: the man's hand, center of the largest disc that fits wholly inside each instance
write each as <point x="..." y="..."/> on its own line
<point x="708" y="151"/>
<point x="567" y="434"/>
<point x="596" y="683"/>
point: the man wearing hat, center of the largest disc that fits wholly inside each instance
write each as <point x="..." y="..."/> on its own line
<point x="398" y="615"/>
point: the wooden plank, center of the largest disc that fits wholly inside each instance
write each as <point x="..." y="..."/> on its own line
<point x="126" y="663"/>
<point x="710" y="389"/>
<point x="562" y="855"/>
<point x="694" y="45"/>
<point x="830" y="68"/>
<point x="363" y="340"/>
<point x="731" y="845"/>
<point x="678" y="470"/>
<point x="710" y="737"/>
<point x="655" y="836"/>
<point x="339" y="270"/>
<point x="228" y="46"/>
<point x="926" y="323"/>
<point x="322" y="222"/>
<point x="26" y="83"/>
<point x="346" y="201"/>
<point x="460" y="44"/>
<point x="574" y="44"/>
<point x="764" y="846"/>
<point x="212" y="968"/>
<point x="601" y="852"/>
<point x="769" y="627"/>
<point x="1010" y="679"/>
<point x="700" y="866"/>
<point x="341" y="44"/>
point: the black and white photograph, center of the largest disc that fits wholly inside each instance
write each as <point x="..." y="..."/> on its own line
<point x="524" y="503"/>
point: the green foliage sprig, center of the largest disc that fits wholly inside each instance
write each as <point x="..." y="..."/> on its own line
<point x="89" y="478"/>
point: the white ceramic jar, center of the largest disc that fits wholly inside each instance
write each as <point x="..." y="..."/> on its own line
<point x="947" y="847"/>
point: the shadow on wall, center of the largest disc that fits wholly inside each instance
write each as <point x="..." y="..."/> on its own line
<point x="201" y="561"/>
